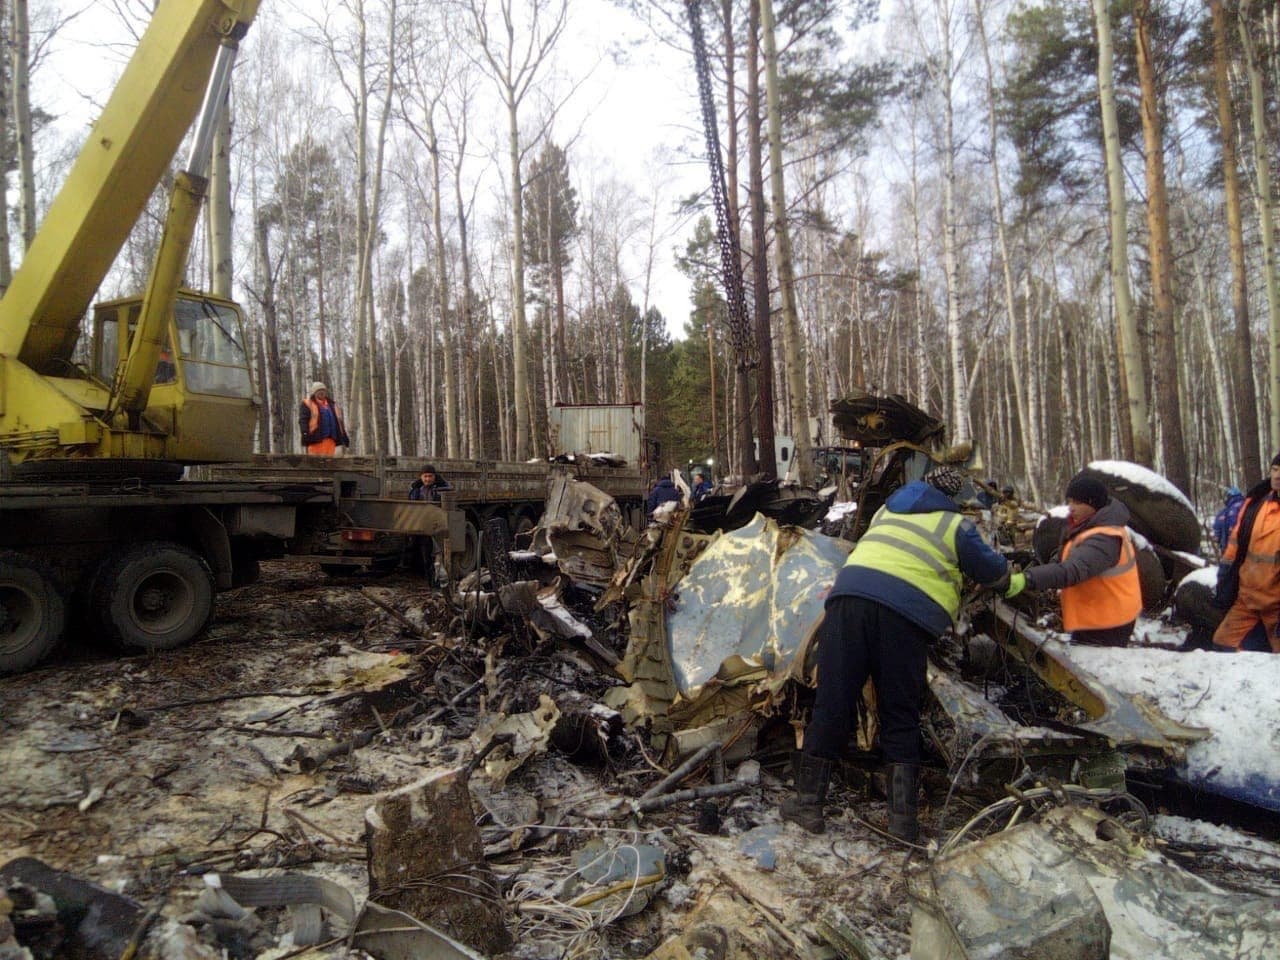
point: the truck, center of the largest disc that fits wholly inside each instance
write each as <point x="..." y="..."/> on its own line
<point x="100" y="531"/>
<point x="599" y="444"/>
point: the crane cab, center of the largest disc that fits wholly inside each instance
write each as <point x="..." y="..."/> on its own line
<point x="201" y="396"/>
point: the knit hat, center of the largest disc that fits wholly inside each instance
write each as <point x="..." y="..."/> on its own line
<point x="1084" y="488"/>
<point x="946" y="480"/>
<point x="428" y="468"/>
<point x="317" y="385"/>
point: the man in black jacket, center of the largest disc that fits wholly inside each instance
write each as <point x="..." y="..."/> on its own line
<point x="427" y="488"/>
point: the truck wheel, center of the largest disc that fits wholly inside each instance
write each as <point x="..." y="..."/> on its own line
<point x="521" y="523"/>
<point x="468" y="559"/>
<point x="153" y="596"/>
<point x="32" y="612"/>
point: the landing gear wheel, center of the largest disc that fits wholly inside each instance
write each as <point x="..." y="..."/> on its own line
<point x="153" y="596"/>
<point x="32" y="612"/>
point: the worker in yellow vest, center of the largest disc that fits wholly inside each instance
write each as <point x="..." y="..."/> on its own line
<point x="897" y="593"/>
<point x="1097" y="570"/>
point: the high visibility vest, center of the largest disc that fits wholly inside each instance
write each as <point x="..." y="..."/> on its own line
<point x="314" y="423"/>
<point x="918" y="548"/>
<point x="1112" y="598"/>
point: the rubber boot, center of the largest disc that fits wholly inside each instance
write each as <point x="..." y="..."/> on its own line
<point x="813" y="777"/>
<point x="904" y="801"/>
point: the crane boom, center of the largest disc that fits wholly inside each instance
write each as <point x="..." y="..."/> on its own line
<point x="126" y="155"/>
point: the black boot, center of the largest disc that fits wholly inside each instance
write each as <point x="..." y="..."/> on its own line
<point x="904" y="801"/>
<point x="813" y="776"/>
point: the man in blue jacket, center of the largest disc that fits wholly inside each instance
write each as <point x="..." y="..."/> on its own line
<point x="898" y="592"/>
<point x="1225" y="520"/>
<point x="664" y="491"/>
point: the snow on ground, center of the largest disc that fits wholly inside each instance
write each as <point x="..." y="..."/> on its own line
<point x="1232" y="694"/>
<point x="1248" y="850"/>
<point x="841" y="509"/>
<point x="1140" y="477"/>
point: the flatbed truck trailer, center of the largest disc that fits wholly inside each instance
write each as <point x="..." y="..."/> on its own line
<point x="481" y="490"/>
<point x="137" y="563"/>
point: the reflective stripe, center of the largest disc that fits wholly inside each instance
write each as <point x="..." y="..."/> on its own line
<point x="934" y="563"/>
<point x="1120" y="568"/>
<point x="1262" y="557"/>
<point x="917" y="548"/>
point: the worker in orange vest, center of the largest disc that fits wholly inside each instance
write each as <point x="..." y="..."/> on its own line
<point x="1097" y="570"/>
<point x="321" y="423"/>
<point x="1249" y="576"/>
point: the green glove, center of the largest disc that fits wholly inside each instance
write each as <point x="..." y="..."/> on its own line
<point x="1017" y="583"/>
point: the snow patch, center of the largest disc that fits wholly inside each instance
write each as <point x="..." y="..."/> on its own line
<point x="1208" y="575"/>
<point x="1232" y="694"/>
<point x="1140" y="477"/>
<point x="838" y="511"/>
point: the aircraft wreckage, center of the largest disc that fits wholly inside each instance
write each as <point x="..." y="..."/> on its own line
<point x="693" y="640"/>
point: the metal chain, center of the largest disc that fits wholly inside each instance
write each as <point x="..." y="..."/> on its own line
<point x="740" y="334"/>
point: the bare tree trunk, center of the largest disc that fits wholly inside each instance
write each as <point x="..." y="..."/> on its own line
<point x="1168" y="400"/>
<point x="792" y="340"/>
<point x="1262" y="173"/>
<point x="1246" y="405"/>
<point x="1136" y="435"/>
<point x="1006" y="269"/>
<point x="767" y="460"/>
<point x="452" y="441"/>
<point x="221" y="265"/>
<point x="6" y="163"/>
<point x="274" y="369"/>
<point x="942" y="68"/>
<point x="20" y="63"/>
<point x="470" y="324"/>
<point x="514" y="63"/>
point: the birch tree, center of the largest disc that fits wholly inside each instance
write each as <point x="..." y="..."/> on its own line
<point x="1168" y="399"/>
<point x="1246" y="406"/>
<point x="1030" y="432"/>
<point x="1136" y="432"/>
<point x="941" y="66"/>
<point x="423" y="99"/>
<point x="793" y="344"/>
<point x="367" y="75"/>
<point x="6" y="152"/>
<point x="20" y="78"/>
<point x="1265" y="201"/>
<point x="515" y="39"/>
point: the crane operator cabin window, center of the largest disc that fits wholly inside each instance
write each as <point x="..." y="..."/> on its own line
<point x="212" y="349"/>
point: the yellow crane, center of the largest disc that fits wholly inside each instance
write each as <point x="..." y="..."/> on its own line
<point x="168" y="380"/>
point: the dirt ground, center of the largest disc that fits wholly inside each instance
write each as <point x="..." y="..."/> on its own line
<point x="140" y="774"/>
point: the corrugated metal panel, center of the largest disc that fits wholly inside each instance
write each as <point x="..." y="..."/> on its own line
<point x="598" y="428"/>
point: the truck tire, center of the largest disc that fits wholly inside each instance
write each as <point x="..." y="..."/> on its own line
<point x="152" y="596"/>
<point x="468" y="559"/>
<point x="521" y="522"/>
<point x="33" y="612"/>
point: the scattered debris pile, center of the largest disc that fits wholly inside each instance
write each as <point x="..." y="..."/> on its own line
<point x="579" y="752"/>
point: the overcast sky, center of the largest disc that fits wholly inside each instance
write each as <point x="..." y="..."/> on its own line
<point x="636" y="116"/>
